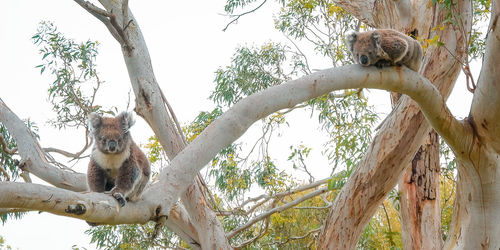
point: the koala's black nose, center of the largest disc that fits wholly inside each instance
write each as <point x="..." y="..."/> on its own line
<point x="363" y="59"/>
<point x="112" y="145"/>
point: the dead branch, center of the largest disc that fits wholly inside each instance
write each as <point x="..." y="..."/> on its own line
<point x="266" y="197"/>
<point x="276" y="210"/>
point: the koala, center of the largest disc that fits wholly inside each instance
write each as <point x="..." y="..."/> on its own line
<point x="117" y="165"/>
<point x="384" y="47"/>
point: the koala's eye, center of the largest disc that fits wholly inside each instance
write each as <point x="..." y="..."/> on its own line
<point x="370" y="53"/>
<point x="119" y="141"/>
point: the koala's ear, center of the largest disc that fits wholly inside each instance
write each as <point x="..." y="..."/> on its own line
<point x="350" y="37"/>
<point x="376" y="38"/>
<point x="94" y="121"/>
<point x="126" y="120"/>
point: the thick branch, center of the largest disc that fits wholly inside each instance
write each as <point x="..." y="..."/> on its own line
<point x="232" y="124"/>
<point x="150" y="105"/>
<point x="108" y="19"/>
<point x="33" y="159"/>
<point x="94" y="207"/>
<point x="35" y="162"/>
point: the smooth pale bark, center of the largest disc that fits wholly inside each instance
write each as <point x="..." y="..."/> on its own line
<point x="420" y="221"/>
<point x="90" y="206"/>
<point x="32" y="155"/>
<point x="150" y="104"/>
<point x="409" y="16"/>
<point x="420" y="198"/>
<point x="476" y="217"/>
<point x="397" y="141"/>
<point x="33" y="161"/>
<point x="175" y="179"/>
<point x="233" y="123"/>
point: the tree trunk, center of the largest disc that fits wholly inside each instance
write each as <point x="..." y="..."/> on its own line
<point x="476" y="218"/>
<point x="399" y="138"/>
<point x="153" y="107"/>
<point x="420" y="198"/>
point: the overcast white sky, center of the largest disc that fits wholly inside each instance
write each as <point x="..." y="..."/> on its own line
<point x="187" y="45"/>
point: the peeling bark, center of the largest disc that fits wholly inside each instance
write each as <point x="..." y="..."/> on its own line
<point x="420" y="200"/>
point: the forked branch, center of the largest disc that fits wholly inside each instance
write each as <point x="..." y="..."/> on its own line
<point x="109" y="20"/>
<point x="233" y="123"/>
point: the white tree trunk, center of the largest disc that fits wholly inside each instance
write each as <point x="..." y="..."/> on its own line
<point x="476" y="217"/>
<point x="150" y="104"/>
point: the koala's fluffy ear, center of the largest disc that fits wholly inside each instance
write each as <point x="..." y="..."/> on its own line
<point x="350" y="37"/>
<point x="376" y="38"/>
<point x="127" y="120"/>
<point x="94" y="121"/>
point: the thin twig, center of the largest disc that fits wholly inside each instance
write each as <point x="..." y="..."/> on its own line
<point x="242" y="14"/>
<point x="262" y="232"/>
<point x="391" y="241"/>
<point x="299" y="237"/>
<point x="300" y="53"/>
<point x="71" y="155"/>
<point x="261" y="199"/>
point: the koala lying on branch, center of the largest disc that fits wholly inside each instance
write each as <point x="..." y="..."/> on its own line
<point x="384" y="47"/>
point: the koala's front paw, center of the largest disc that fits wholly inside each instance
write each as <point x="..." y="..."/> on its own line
<point x="121" y="200"/>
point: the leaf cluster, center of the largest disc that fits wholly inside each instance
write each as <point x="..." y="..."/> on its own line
<point x="73" y="65"/>
<point x="133" y="237"/>
<point x="253" y="69"/>
<point x="322" y="24"/>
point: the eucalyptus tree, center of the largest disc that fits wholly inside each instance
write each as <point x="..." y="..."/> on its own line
<point x="266" y="89"/>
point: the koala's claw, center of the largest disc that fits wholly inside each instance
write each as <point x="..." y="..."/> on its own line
<point x="121" y="200"/>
